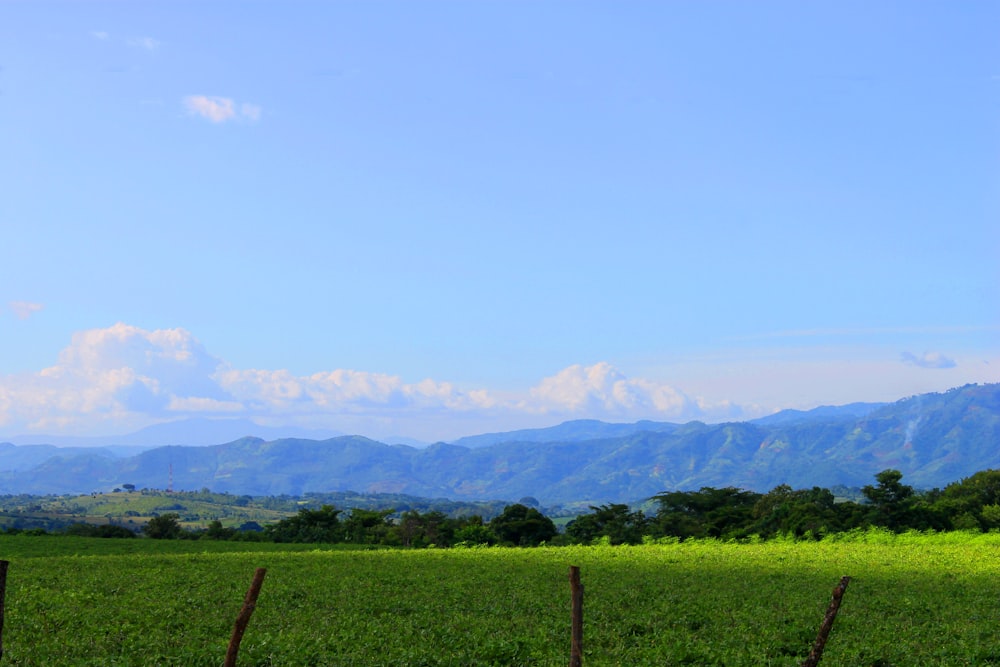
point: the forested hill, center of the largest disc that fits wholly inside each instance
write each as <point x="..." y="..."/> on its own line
<point x="933" y="439"/>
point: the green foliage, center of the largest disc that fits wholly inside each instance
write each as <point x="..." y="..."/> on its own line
<point x="367" y="526"/>
<point x="732" y="513"/>
<point x="105" y="530"/>
<point x="474" y="534"/>
<point x="615" y="522"/>
<point x="216" y="531"/>
<point x="400" y="503"/>
<point x="915" y="599"/>
<point x="894" y="505"/>
<point x="799" y="513"/>
<point x="524" y="526"/>
<point x="708" y="512"/>
<point x="322" y="525"/>
<point x="727" y="513"/>
<point x="414" y="529"/>
<point x="132" y="509"/>
<point x="163" y="527"/>
<point x="973" y="502"/>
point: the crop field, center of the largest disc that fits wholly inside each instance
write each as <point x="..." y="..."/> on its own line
<point x="913" y="600"/>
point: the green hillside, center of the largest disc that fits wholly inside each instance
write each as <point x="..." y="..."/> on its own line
<point x="933" y="439"/>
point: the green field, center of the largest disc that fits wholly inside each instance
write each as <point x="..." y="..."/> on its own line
<point x="913" y="600"/>
<point x="133" y="509"/>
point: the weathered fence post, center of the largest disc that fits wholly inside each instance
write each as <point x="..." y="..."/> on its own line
<point x="249" y="604"/>
<point x="3" y="597"/>
<point x="824" y="630"/>
<point x="576" y="591"/>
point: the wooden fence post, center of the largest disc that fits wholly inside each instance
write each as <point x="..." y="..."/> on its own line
<point x="576" y="591"/>
<point x="824" y="630"/>
<point x="3" y="597"/>
<point x="249" y="604"/>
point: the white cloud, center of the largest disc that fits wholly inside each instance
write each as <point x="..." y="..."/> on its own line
<point x="147" y="43"/>
<point x="123" y="377"/>
<point x="928" y="360"/>
<point x="220" y="109"/>
<point x="602" y="390"/>
<point x="24" y="309"/>
<point x="99" y="34"/>
<point x="215" y="109"/>
<point x="342" y="391"/>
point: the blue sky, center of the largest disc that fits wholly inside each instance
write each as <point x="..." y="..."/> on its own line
<point x="441" y="218"/>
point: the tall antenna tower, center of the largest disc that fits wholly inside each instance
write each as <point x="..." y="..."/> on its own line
<point x="170" y="479"/>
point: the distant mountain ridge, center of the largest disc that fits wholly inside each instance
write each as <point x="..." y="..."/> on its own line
<point x="851" y="410"/>
<point x="194" y="432"/>
<point x="571" y="431"/>
<point x="934" y="439"/>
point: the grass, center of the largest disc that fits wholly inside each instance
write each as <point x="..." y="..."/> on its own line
<point x="133" y="509"/>
<point x="913" y="600"/>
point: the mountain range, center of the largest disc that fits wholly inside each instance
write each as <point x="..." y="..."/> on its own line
<point x="933" y="439"/>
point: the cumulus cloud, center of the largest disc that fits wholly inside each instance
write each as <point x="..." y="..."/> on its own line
<point x="124" y="377"/>
<point x="602" y="390"/>
<point x="220" y="109"/>
<point x="928" y="360"/>
<point x="121" y="374"/>
<point x="24" y="309"/>
<point x="343" y="391"/>
<point x="215" y="109"/>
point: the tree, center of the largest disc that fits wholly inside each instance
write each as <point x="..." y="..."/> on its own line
<point x="322" y="525"/>
<point x="615" y="522"/>
<point x="785" y="511"/>
<point x="971" y="502"/>
<point x="897" y="507"/>
<point x="474" y="532"/>
<point x="890" y="499"/>
<point x="216" y="531"/>
<point x="524" y="526"/>
<point x="163" y="527"/>
<point x="366" y="526"/>
<point x="889" y="491"/>
<point x="991" y="516"/>
<point x="708" y="512"/>
<point x="81" y="529"/>
<point x="409" y="529"/>
<point x="414" y="529"/>
<point x="111" y="530"/>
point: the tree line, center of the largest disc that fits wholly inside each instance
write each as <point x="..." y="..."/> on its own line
<point x="517" y="525"/>
<point x="731" y="513"/>
<point x="724" y="513"/>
